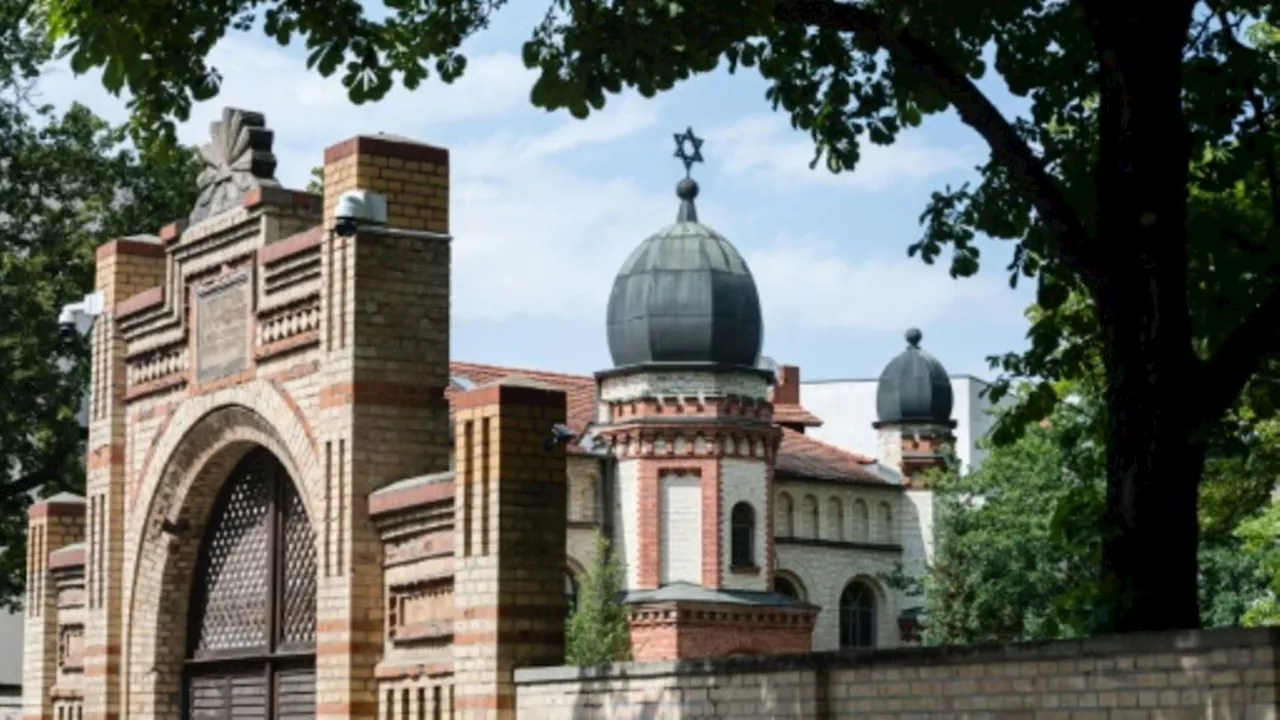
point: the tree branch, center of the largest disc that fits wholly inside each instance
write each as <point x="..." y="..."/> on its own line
<point x="1240" y="357"/>
<point x="46" y="473"/>
<point x="975" y="109"/>
<point x="1262" y="116"/>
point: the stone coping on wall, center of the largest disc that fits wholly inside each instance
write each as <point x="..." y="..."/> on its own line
<point x="1102" y="646"/>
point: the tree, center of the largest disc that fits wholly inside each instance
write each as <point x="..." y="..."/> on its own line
<point x="1143" y="90"/>
<point x="67" y="182"/>
<point x="1018" y="540"/>
<point x="597" y="631"/>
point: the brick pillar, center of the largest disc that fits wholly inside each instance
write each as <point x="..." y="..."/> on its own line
<point x="509" y="547"/>
<point x="52" y="524"/>
<point x="124" y="268"/>
<point x="383" y="416"/>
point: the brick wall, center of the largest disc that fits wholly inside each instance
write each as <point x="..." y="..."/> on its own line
<point x="1209" y="675"/>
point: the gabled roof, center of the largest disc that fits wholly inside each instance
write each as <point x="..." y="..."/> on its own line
<point x="799" y="457"/>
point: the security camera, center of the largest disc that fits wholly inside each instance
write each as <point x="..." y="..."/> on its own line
<point x="356" y="208"/>
<point x="345" y="226"/>
<point x="560" y="435"/>
<point x="77" y="318"/>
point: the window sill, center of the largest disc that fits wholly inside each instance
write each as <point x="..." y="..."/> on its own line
<point x="744" y="570"/>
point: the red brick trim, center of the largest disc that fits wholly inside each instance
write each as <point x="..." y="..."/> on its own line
<point x="437" y="630"/>
<point x="121" y="246"/>
<point x="67" y="557"/>
<point x="382" y="394"/>
<point x="345" y="648"/>
<point x="403" y="670"/>
<point x="172" y="231"/>
<point x="293" y="372"/>
<point x="410" y="497"/>
<point x="227" y="381"/>
<point x="290" y="246"/>
<point x="649" y="510"/>
<point x="104" y="456"/>
<point x="301" y="341"/>
<point x="161" y="384"/>
<point x="347" y="625"/>
<point x="141" y="301"/>
<point x="363" y="709"/>
<point x="297" y="414"/>
<point x="684" y="407"/>
<point x="265" y="195"/>
<point x="513" y="394"/>
<point x="387" y="148"/>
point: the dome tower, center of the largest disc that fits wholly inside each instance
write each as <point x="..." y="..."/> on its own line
<point x="913" y="408"/>
<point x="686" y="411"/>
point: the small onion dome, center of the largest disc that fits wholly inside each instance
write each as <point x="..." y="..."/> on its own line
<point x="914" y="387"/>
<point x="685" y="296"/>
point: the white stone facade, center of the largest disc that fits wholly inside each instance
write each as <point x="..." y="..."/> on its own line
<point x="680" y="536"/>
<point x="683" y="385"/>
<point x="743" y="481"/>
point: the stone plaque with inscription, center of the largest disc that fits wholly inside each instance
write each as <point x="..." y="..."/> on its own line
<point x="222" y="329"/>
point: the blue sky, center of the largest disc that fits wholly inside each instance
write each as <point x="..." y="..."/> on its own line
<point x="546" y="208"/>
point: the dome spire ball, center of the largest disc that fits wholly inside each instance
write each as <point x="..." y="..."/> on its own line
<point x="689" y="151"/>
<point x="913" y="337"/>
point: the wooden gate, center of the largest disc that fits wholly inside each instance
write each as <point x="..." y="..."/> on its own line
<point x="251" y="644"/>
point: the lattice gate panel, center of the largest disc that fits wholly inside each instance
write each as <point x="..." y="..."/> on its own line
<point x="298" y="601"/>
<point x="237" y="578"/>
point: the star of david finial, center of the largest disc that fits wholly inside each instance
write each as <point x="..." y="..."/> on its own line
<point x="688" y="149"/>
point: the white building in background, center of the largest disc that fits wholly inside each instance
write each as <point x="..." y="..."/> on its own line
<point x="10" y="665"/>
<point x="848" y="412"/>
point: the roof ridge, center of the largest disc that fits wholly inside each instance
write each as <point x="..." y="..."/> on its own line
<point x="860" y="457"/>
<point x="517" y="369"/>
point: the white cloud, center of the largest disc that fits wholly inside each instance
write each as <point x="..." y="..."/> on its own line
<point x="807" y="281"/>
<point x="764" y="149"/>
<point x="536" y="237"/>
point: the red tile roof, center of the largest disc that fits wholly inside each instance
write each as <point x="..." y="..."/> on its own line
<point x="802" y="456"/>
<point x="795" y="415"/>
<point x="799" y="456"/>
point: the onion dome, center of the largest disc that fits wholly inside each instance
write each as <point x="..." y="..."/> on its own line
<point x="914" y="387"/>
<point x="685" y="295"/>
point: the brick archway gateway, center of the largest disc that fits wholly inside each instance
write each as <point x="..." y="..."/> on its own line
<point x="191" y="460"/>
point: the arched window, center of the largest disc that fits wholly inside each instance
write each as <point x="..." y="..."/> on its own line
<point x="253" y="604"/>
<point x="835" y="519"/>
<point x="857" y="616"/>
<point x="784" y="584"/>
<point x="809" y="513"/>
<point x="886" y="523"/>
<point x="784" y="517"/>
<point x="570" y="591"/>
<point x="861" y="522"/>
<point x="743" y="536"/>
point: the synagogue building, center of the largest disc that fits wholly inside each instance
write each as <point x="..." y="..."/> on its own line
<point x="299" y="506"/>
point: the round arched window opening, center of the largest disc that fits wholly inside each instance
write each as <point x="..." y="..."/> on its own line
<point x="857" y="616"/>
<point x="570" y="592"/>
<point x="784" y="585"/>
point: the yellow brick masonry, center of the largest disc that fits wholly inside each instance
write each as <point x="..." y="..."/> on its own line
<point x="124" y="268"/>
<point x="1196" y="675"/>
<point x="381" y="414"/>
<point x="509" y="547"/>
<point x="52" y="525"/>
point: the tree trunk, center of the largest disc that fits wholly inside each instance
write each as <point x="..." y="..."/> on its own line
<point x="1153" y="469"/>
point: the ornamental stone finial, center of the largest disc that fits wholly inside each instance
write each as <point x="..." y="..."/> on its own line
<point x="237" y="159"/>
